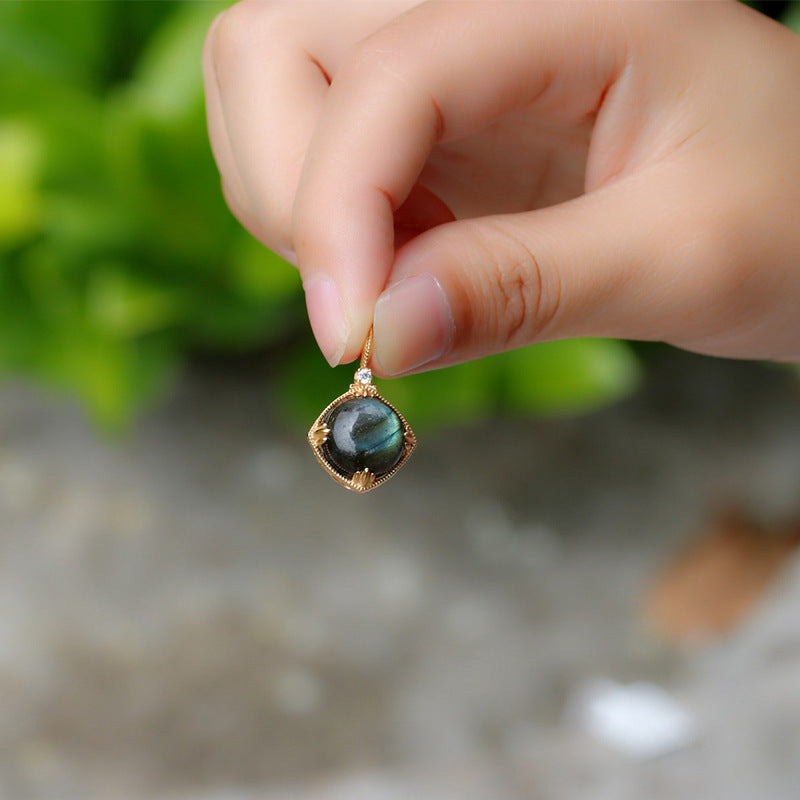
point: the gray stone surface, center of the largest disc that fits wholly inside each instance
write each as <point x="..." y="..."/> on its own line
<point x="199" y="613"/>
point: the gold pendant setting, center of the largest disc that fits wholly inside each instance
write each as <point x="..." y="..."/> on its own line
<point x="361" y="439"/>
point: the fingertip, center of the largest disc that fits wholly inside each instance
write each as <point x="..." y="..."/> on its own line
<point x="326" y="314"/>
<point x="344" y="239"/>
<point x="414" y="325"/>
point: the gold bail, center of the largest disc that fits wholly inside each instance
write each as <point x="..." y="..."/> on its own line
<point x="366" y="351"/>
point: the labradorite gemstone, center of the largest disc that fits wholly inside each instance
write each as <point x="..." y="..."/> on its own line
<point x="365" y="434"/>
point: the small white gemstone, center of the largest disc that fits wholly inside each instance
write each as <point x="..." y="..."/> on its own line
<point x="364" y="375"/>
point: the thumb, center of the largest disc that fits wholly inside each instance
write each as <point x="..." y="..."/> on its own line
<point x="619" y="261"/>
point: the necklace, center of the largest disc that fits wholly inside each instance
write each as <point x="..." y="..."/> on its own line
<point x="361" y="439"/>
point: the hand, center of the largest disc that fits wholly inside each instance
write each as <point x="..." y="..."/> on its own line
<point x="479" y="176"/>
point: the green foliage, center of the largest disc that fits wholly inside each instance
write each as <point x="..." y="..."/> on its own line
<point x="792" y="18"/>
<point x="118" y="258"/>
<point x="117" y="254"/>
<point x="553" y="378"/>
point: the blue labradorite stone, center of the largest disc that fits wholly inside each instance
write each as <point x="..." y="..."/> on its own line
<point x="365" y="434"/>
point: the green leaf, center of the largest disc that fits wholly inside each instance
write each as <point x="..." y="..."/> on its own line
<point x="168" y="81"/>
<point x="127" y="305"/>
<point x="20" y="171"/>
<point x="179" y="198"/>
<point x="567" y="377"/>
<point x="792" y="17"/>
<point x="257" y="272"/>
<point x="54" y="41"/>
<point x="448" y="397"/>
<point x="113" y="378"/>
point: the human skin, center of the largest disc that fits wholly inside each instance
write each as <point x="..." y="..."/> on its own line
<point x="478" y="176"/>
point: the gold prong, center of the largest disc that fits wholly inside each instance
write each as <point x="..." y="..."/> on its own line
<point x="363" y="480"/>
<point x="363" y="390"/>
<point x="319" y="434"/>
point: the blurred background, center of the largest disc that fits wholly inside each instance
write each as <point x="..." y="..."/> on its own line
<point x="584" y="585"/>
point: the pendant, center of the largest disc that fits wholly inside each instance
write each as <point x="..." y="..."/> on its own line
<point x="361" y="439"/>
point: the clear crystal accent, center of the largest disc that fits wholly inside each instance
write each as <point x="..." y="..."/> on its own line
<point x="364" y="375"/>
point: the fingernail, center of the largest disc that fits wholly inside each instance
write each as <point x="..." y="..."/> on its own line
<point x="326" y="313"/>
<point x="413" y="324"/>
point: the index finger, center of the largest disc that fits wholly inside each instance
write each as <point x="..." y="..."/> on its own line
<point x="441" y="70"/>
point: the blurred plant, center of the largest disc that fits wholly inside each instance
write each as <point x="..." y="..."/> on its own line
<point x="118" y="258"/>
<point x="118" y="255"/>
<point x="791" y="15"/>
